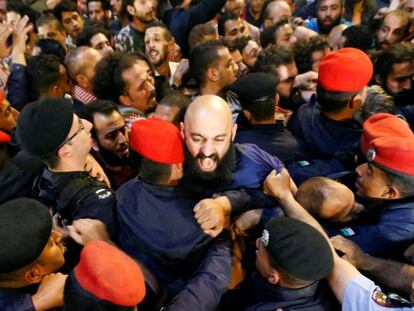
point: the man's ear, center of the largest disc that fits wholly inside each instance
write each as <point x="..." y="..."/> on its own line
<point x="130" y="10"/>
<point x="125" y="100"/>
<point x="82" y="81"/>
<point x="274" y="277"/>
<point x="392" y="192"/>
<point x="95" y="146"/>
<point x="182" y="130"/>
<point x="213" y="74"/>
<point x="33" y="275"/>
<point x="356" y="101"/>
<point x="55" y="91"/>
<point x="233" y="132"/>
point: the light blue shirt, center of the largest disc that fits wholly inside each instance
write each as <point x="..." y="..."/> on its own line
<point x="359" y="295"/>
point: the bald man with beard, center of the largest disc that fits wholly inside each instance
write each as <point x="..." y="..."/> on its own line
<point x="214" y="164"/>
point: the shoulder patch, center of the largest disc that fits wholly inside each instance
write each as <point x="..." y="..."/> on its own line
<point x="347" y="232"/>
<point x="103" y="193"/>
<point x="389" y="301"/>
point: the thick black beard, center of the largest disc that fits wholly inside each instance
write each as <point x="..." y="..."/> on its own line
<point x="111" y="158"/>
<point x="403" y="98"/>
<point x="197" y="182"/>
<point x="324" y="30"/>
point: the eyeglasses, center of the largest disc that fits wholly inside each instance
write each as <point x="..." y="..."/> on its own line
<point x="81" y="128"/>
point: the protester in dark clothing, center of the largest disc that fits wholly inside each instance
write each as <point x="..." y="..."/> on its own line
<point x="182" y="18"/>
<point x="157" y="224"/>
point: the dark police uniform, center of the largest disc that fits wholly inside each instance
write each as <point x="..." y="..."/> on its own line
<point x="75" y="195"/>
<point x="259" y="295"/>
<point x="16" y="299"/>
<point x="386" y="235"/>
<point x="324" y="136"/>
<point x="274" y="139"/>
<point x="157" y="226"/>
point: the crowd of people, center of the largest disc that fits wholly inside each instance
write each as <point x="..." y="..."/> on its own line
<point x="207" y="155"/>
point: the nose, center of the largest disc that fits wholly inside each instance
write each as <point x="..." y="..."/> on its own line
<point x="408" y="84"/>
<point x="360" y="169"/>
<point x="358" y="208"/>
<point x="207" y="148"/>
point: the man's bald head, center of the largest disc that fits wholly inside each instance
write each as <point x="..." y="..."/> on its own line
<point x="275" y="11"/>
<point x="208" y="131"/>
<point x="327" y="199"/>
<point x="334" y="37"/>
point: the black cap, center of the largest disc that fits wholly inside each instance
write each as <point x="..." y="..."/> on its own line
<point x="255" y="87"/>
<point x="43" y="125"/>
<point x="297" y="248"/>
<point x="25" y="229"/>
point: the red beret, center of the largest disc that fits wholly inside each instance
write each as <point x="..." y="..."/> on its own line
<point x="345" y="70"/>
<point x="393" y="154"/>
<point x="157" y="140"/>
<point x="4" y="137"/>
<point x="1" y="96"/>
<point x="383" y="125"/>
<point x="108" y="274"/>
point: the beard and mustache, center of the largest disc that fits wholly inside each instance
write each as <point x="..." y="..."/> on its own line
<point x="198" y="182"/>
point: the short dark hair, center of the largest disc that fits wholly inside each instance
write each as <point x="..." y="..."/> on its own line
<point x="357" y="36"/>
<point x="202" y="57"/>
<point x="64" y="6"/>
<point x="179" y="100"/>
<point x="394" y="54"/>
<point x="84" y="37"/>
<point x="304" y="49"/>
<point x="260" y="110"/>
<point x="22" y="10"/>
<point x="104" y="3"/>
<point x="404" y="183"/>
<point x="45" y="66"/>
<point x="52" y="47"/>
<point x="51" y="159"/>
<point x="271" y="58"/>
<point x="228" y="16"/>
<point x="333" y="101"/>
<point x="268" y="36"/>
<point x="49" y="19"/>
<point x="198" y="33"/>
<point x="153" y="172"/>
<point x="124" y="10"/>
<point x="102" y="106"/>
<point x="176" y="3"/>
<point x="167" y="33"/>
<point x="108" y="82"/>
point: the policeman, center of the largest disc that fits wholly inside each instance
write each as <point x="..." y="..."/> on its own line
<point x="291" y="258"/>
<point x="157" y="224"/>
<point x="387" y="178"/>
<point x="258" y="101"/>
<point x="50" y="130"/>
<point x="326" y="126"/>
<point x="31" y="252"/>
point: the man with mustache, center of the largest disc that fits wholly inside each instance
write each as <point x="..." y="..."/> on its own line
<point x="140" y="14"/>
<point x="394" y="27"/>
<point x="213" y="164"/>
<point x="394" y="71"/>
<point x="110" y="140"/>
<point x="328" y="15"/>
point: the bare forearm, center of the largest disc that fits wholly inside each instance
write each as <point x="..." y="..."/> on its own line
<point x="392" y="274"/>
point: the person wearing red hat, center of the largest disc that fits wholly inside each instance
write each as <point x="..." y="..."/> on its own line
<point x="157" y="224"/>
<point x="326" y="123"/>
<point x="387" y="178"/>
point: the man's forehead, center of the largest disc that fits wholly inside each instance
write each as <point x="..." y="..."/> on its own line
<point x="154" y="31"/>
<point x="108" y="122"/>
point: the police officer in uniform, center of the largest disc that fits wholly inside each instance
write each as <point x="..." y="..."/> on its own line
<point x="50" y="130"/>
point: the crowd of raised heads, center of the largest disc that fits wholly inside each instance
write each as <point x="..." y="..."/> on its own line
<point x="206" y="155"/>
